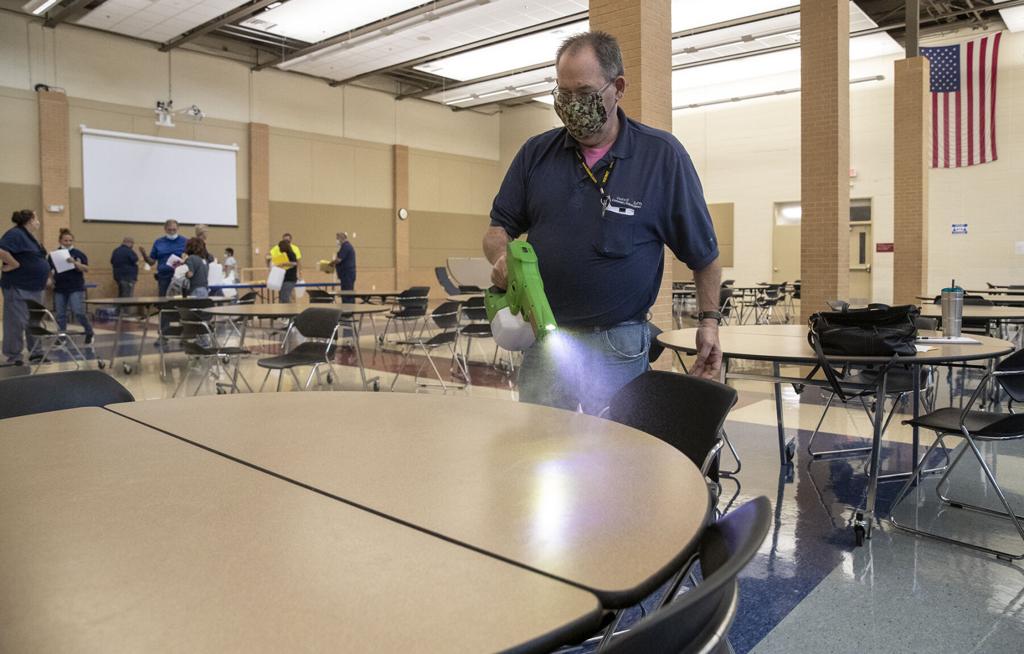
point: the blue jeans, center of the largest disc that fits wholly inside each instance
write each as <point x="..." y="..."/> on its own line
<point x="74" y="302"/>
<point x="200" y="291"/>
<point x="583" y="368"/>
<point x="285" y="294"/>
<point x="125" y="287"/>
<point x="16" y="321"/>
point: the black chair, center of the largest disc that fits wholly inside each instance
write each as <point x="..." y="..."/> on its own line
<point x="446" y="318"/>
<point x="974" y="426"/>
<point x="170" y="324"/>
<point x="475" y="325"/>
<point x="470" y="288"/>
<point x="319" y="326"/>
<point x="684" y="411"/>
<point x="318" y="296"/>
<point x="445" y="281"/>
<point x="204" y="352"/>
<point x="698" y="620"/>
<point x="49" y="337"/>
<point x="410" y="309"/>
<point x="22" y="396"/>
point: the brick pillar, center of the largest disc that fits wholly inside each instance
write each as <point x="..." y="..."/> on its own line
<point x="824" y="153"/>
<point x="644" y="31"/>
<point x="53" y="159"/>
<point x="259" y="192"/>
<point x="401" y="185"/>
<point x="912" y="135"/>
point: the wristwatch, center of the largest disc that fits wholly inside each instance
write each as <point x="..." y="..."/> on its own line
<point x="710" y="315"/>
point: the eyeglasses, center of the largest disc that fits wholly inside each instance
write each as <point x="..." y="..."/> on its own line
<point x="561" y="95"/>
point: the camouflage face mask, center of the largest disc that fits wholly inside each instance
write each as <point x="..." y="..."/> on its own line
<point x="583" y="114"/>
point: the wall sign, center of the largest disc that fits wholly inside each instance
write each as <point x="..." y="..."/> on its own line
<point x="959" y="228"/>
<point x="884" y="247"/>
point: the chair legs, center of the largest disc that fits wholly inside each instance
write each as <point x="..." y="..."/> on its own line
<point x="1009" y="513"/>
<point x="849" y="451"/>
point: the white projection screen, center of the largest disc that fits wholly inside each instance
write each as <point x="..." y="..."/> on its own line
<point x="146" y="179"/>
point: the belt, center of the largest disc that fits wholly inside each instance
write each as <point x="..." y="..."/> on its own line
<point x="593" y="329"/>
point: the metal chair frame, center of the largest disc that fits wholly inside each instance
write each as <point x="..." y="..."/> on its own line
<point x="57" y="339"/>
<point x="205" y="358"/>
<point x="330" y="345"/>
<point x="447" y="318"/>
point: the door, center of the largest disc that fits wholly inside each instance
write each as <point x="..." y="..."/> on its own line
<point x="785" y="253"/>
<point x="861" y="247"/>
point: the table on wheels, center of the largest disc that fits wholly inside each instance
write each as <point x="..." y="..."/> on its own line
<point x="787" y="345"/>
<point x="367" y="296"/>
<point x="289" y="311"/>
<point x="309" y="521"/>
<point x="144" y="303"/>
<point x="120" y="537"/>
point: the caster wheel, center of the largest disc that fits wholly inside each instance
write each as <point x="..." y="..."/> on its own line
<point x="330" y="378"/>
<point x="790" y="451"/>
<point x="376" y="386"/>
<point x="127" y="368"/>
<point x="101" y="365"/>
<point x="859" y="535"/>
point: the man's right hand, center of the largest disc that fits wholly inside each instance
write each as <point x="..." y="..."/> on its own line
<point x="499" y="273"/>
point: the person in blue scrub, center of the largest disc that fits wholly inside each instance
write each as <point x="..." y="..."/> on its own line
<point x="345" y="265"/>
<point x="170" y="243"/>
<point x="69" y="287"/>
<point x="125" y="264"/>
<point x="25" y="281"/>
<point x="600" y="198"/>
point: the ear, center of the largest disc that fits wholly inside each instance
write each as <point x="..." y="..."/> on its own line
<point x="620" y="87"/>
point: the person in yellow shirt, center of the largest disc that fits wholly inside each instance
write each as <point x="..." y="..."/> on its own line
<point x="288" y="260"/>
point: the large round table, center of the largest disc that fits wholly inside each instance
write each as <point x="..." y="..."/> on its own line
<point x="313" y="521"/>
<point x="787" y="344"/>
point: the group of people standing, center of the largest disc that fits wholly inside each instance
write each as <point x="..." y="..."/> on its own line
<point x="27" y="269"/>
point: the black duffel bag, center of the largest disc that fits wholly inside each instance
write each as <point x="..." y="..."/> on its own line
<point x="879" y="331"/>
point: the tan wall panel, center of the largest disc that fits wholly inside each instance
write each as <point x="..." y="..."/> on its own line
<point x="369" y="115"/>
<point x="19" y="122"/>
<point x="14" y="49"/>
<point x="293" y="102"/>
<point x="93" y="65"/>
<point x="722" y="216"/>
<point x="320" y="169"/>
<point x="313" y="228"/>
<point x="18" y="196"/>
<point x="447" y="183"/>
<point x="334" y="166"/>
<point x="431" y="126"/>
<point x="374" y="180"/>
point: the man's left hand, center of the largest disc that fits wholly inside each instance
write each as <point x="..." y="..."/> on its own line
<point x="709" y="351"/>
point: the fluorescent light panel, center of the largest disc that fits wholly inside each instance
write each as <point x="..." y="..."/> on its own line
<point x="509" y="55"/>
<point x="41" y="9"/>
<point x="687" y="14"/>
<point x="1014" y="18"/>
<point x="316" y="20"/>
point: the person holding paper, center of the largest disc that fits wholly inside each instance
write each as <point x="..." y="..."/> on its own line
<point x="24" y="281"/>
<point x="170" y="244"/>
<point x="198" y="268"/>
<point x="125" y="264"/>
<point x="69" y="266"/>
<point x="345" y="265"/>
<point x="278" y="257"/>
<point x="230" y="263"/>
<point x="291" y="265"/>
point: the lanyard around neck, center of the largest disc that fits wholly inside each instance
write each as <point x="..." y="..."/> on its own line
<point x="590" y="173"/>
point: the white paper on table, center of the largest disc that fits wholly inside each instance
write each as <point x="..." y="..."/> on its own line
<point x="60" y="260"/>
<point x="180" y="271"/>
<point x="215" y="274"/>
<point x="275" y="278"/>
<point x="956" y="340"/>
<point x="174" y="260"/>
<point x="923" y="348"/>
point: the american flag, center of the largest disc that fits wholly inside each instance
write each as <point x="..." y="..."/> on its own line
<point x="963" y="86"/>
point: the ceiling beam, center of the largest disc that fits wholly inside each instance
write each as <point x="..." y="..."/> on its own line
<point x="382" y="24"/>
<point x="478" y="80"/>
<point x="500" y="38"/>
<point x="736" y="22"/>
<point x="238" y="13"/>
<point x="69" y="10"/>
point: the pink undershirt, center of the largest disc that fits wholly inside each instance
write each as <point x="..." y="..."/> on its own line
<point x="593" y="155"/>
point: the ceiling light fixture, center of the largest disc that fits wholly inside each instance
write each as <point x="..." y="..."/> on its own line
<point x="38" y="7"/>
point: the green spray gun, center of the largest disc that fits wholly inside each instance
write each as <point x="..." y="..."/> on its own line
<point x="524" y="296"/>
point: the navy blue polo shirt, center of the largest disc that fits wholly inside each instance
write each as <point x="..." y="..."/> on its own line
<point x="72" y="280"/>
<point x="346" y="265"/>
<point x="34" y="269"/>
<point x="603" y="270"/>
<point x="125" y="263"/>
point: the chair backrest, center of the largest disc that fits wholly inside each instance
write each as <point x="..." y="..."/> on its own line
<point x="696" y="620"/>
<point x="725" y="301"/>
<point x="248" y="298"/>
<point x="474" y="310"/>
<point x="728" y="282"/>
<point x="22" y="396"/>
<point x="926" y="324"/>
<point x="970" y="300"/>
<point x="194" y="324"/>
<point x="445" y="281"/>
<point x="318" y="322"/>
<point x="446" y="315"/>
<point x="469" y="288"/>
<point x="656" y="348"/>
<point x="38" y="316"/>
<point x="1012" y="384"/>
<point x="318" y="296"/>
<point x="686" y="412"/>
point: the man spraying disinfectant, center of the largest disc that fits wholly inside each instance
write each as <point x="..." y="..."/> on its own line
<point x="520" y="314"/>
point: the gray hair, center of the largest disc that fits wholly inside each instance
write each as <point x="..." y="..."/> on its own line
<point x="605" y="47"/>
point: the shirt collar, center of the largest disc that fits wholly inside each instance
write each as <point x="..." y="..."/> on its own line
<point x="623" y="146"/>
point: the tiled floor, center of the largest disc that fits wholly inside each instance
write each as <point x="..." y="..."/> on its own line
<point x="809" y="588"/>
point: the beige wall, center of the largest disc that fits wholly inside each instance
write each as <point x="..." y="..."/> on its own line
<point x="330" y="148"/>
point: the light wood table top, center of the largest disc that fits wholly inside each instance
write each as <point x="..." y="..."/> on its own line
<point x="388" y="293"/>
<point x="979" y="312"/>
<point x="147" y="300"/>
<point x="583" y="499"/>
<point x="289" y="310"/>
<point x="788" y="344"/>
<point x="118" y="538"/>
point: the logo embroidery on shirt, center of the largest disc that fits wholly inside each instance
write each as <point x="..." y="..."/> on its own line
<point x="624" y="206"/>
